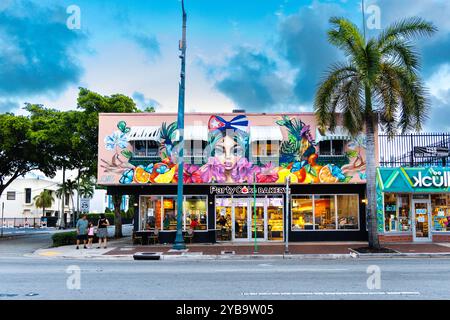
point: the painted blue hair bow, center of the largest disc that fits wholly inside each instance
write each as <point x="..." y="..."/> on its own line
<point x="237" y="123"/>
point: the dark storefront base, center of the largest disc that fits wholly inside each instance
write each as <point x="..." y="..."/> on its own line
<point x="294" y="236"/>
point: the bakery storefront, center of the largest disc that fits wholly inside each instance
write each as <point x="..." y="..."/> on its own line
<point x="413" y="204"/>
<point x="243" y="174"/>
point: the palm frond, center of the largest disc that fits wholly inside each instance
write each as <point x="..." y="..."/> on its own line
<point x="406" y="29"/>
<point x="402" y="52"/>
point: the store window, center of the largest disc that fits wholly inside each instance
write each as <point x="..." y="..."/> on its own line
<point x="195" y="213"/>
<point x="223" y="218"/>
<point x="145" y="148"/>
<point x="275" y="210"/>
<point x="331" y="148"/>
<point x="169" y="216"/>
<point x="302" y="213"/>
<point x="324" y="212"/>
<point x="440" y="206"/>
<point x="397" y="212"/>
<point x="150" y="213"/>
<point x="348" y="211"/>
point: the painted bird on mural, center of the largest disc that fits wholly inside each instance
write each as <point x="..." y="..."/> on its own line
<point x="168" y="134"/>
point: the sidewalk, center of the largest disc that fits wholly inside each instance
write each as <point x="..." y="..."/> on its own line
<point x="123" y="250"/>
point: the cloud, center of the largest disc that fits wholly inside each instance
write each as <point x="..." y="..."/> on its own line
<point x="8" y="105"/>
<point x="439" y="84"/>
<point x="37" y="50"/>
<point x="148" y="43"/>
<point x="251" y="79"/>
<point x="142" y="102"/>
<point x="302" y="41"/>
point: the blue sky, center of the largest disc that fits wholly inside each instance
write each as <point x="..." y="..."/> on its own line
<point x="259" y="55"/>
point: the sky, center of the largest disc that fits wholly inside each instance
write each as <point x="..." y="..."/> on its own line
<point x="257" y="55"/>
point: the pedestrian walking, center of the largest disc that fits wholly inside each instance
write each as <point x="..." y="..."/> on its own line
<point x="82" y="226"/>
<point x="90" y="234"/>
<point x="102" y="230"/>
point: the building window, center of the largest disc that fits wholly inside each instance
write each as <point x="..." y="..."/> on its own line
<point x="150" y="213"/>
<point x="145" y="148"/>
<point x="66" y="199"/>
<point x="331" y="148"/>
<point x="27" y="195"/>
<point x="11" y="195"/>
<point x="195" y="213"/>
<point x="324" y="212"/>
<point x="193" y="151"/>
<point x="397" y="212"/>
<point x="348" y="211"/>
<point x="302" y="213"/>
<point x="223" y="218"/>
<point x="169" y="214"/>
<point x="440" y="206"/>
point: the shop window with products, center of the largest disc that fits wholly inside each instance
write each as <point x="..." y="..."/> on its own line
<point x="195" y="213"/>
<point x="150" y="213"/>
<point x="324" y="212"/>
<point x="223" y="218"/>
<point x="348" y="211"/>
<point x="397" y="209"/>
<point x="275" y="218"/>
<point x="169" y="216"/>
<point x="302" y="213"/>
<point x="440" y="206"/>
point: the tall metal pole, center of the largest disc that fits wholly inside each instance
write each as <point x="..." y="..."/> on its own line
<point x="363" y="7"/>
<point x="254" y="213"/>
<point x="3" y="209"/>
<point x="286" y="243"/>
<point x="179" y="240"/>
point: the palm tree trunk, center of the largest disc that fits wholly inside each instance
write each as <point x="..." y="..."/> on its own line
<point x="371" y="205"/>
<point x="117" y="201"/>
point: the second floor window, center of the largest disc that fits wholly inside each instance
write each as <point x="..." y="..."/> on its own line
<point x="11" y="195"/>
<point x="145" y="148"/>
<point x="331" y="148"/>
<point x="266" y="148"/>
<point x="27" y="195"/>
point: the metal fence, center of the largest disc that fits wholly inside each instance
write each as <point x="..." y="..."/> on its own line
<point x="399" y="150"/>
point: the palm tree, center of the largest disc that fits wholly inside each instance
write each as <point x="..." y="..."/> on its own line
<point x="44" y="200"/>
<point x="86" y="188"/>
<point x="378" y="84"/>
<point x="68" y="188"/>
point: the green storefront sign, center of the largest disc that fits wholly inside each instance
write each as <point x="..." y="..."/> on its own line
<point x="409" y="180"/>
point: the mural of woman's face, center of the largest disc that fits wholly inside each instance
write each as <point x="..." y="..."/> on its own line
<point x="228" y="152"/>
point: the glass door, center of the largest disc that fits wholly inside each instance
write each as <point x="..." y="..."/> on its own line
<point x="275" y="214"/>
<point x="261" y="226"/>
<point x="241" y="217"/>
<point x="421" y="210"/>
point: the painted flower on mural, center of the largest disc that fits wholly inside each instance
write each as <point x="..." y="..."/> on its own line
<point x="213" y="171"/>
<point x="191" y="174"/>
<point x="267" y="174"/>
<point x="243" y="171"/>
<point x="127" y="177"/>
<point x="117" y="139"/>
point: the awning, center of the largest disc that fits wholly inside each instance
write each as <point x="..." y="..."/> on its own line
<point x="152" y="133"/>
<point x="265" y="133"/>
<point x="194" y="133"/>
<point x="340" y="133"/>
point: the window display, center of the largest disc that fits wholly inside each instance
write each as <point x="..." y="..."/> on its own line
<point x="440" y="209"/>
<point x="397" y="210"/>
<point x="195" y="213"/>
<point x="324" y="212"/>
<point x="302" y="213"/>
<point x="348" y="211"/>
<point x="275" y="218"/>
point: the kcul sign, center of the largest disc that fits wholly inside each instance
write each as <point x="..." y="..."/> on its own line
<point x="437" y="179"/>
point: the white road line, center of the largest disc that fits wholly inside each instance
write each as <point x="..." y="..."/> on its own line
<point x="363" y="293"/>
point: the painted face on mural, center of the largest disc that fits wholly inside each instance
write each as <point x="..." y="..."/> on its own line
<point x="228" y="151"/>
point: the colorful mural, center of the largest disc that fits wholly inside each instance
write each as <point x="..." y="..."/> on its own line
<point x="227" y="159"/>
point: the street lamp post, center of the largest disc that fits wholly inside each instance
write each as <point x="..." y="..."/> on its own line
<point x="3" y="209"/>
<point x="286" y="248"/>
<point x="179" y="240"/>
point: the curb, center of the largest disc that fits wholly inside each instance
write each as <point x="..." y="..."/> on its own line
<point x="356" y="254"/>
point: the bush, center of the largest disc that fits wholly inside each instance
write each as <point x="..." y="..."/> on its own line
<point x="108" y="210"/>
<point x="129" y="214"/>
<point x="64" y="238"/>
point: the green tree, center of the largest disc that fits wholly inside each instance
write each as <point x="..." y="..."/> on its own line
<point x="25" y="147"/>
<point x="92" y="104"/>
<point x="150" y="109"/>
<point x="67" y="189"/>
<point x="86" y="188"/>
<point x="44" y="200"/>
<point x="117" y="202"/>
<point x="379" y="80"/>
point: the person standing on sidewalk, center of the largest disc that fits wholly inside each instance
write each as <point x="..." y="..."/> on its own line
<point x="90" y="234"/>
<point x="82" y="226"/>
<point x="102" y="230"/>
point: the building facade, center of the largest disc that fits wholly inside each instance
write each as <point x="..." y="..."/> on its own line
<point x="243" y="174"/>
<point x="413" y="184"/>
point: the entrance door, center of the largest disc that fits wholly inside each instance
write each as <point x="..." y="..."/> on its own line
<point x="421" y="214"/>
<point x="240" y="221"/>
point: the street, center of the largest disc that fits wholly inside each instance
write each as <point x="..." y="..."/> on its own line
<point x="48" y="278"/>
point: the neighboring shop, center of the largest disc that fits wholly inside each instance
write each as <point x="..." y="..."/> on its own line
<point x="236" y="171"/>
<point x="413" y="204"/>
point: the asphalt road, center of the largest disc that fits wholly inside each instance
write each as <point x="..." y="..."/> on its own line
<point x="47" y="278"/>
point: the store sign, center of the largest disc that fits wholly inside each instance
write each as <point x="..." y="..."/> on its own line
<point x="438" y="152"/>
<point x="437" y="179"/>
<point x="84" y="205"/>
<point x="244" y="190"/>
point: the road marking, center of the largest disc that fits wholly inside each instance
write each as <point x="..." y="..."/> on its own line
<point x="363" y="293"/>
<point x="49" y="253"/>
<point x="282" y="270"/>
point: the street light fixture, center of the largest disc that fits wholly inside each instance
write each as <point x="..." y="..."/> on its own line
<point x="179" y="240"/>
